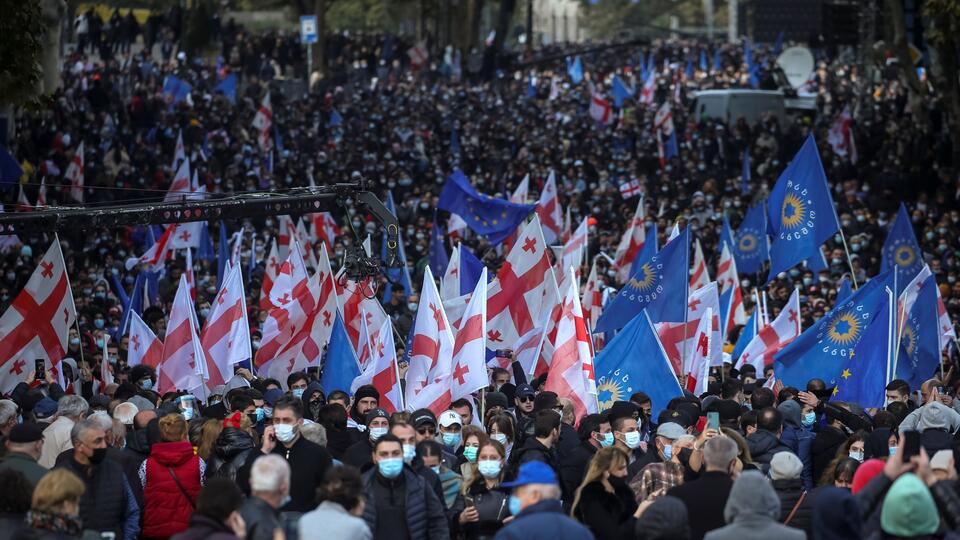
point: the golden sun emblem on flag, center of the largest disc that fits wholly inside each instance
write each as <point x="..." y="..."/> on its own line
<point x="909" y="339"/>
<point x="844" y="329"/>
<point x="609" y="391"/>
<point x="904" y="256"/>
<point x="793" y="211"/>
<point x="644" y="278"/>
<point x="748" y="242"/>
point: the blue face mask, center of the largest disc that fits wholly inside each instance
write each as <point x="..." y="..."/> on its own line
<point x="892" y="450"/>
<point x="390" y="467"/>
<point x="260" y="414"/>
<point x="809" y="419"/>
<point x="514" y="505"/>
<point x="470" y="452"/>
<point x="490" y="468"/>
<point x="436" y="469"/>
<point x="451" y="440"/>
<point x="667" y="451"/>
<point x="856" y="455"/>
<point x="99" y="323"/>
<point x="607" y="439"/>
<point x="147" y="384"/>
<point x="297" y="393"/>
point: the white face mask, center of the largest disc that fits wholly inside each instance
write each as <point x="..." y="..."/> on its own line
<point x="284" y="432"/>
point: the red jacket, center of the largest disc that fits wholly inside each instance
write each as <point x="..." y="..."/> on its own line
<point x="166" y="510"/>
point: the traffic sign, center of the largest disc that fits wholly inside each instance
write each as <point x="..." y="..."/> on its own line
<point x="308" y="29"/>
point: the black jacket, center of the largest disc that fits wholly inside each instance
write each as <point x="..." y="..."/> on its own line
<point x="705" y="499"/>
<point x="493" y="507"/>
<point x="789" y="491"/>
<point x="533" y="450"/>
<point x="261" y="519"/>
<point x="403" y="508"/>
<point x="763" y="446"/>
<point x="230" y="451"/>
<point x="573" y="466"/>
<point x="309" y="463"/>
<point x="608" y="515"/>
<point x="824" y="448"/>
<point x="104" y="504"/>
<point x="359" y="455"/>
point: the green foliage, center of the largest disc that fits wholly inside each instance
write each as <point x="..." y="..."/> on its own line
<point x="197" y="35"/>
<point x="21" y="32"/>
<point x="945" y="18"/>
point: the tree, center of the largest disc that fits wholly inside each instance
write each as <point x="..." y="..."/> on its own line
<point x="21" y="47"/>
<point x="941" y="20"/>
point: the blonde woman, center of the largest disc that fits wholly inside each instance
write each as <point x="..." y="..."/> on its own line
<point x="480" y="506"/>
<point x="604" y="502"/>
<point x="55" y="511"/>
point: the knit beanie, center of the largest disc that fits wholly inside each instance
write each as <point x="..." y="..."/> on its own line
<point x="909" y="509"/>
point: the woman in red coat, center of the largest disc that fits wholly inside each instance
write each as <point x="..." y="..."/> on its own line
<point x="172" y="477"/>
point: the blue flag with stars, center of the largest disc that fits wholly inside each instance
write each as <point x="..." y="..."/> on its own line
<point x="802" y="215"/>
<point x="823" y="349"/>
<point x="751" y="248"/>
<point x="621" y="371"/>
<point x="919" y="354"/>
<point x="864" y="377"/>
<point x="901" y="250"/>
<point x="495" y="218"/>
<point x="658" y="285"/>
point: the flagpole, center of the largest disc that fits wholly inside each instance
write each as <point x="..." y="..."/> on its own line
<point x="396" y="369"/>
<point x="76" y="324"/>
<point x="891" y="338"/>
<point x="846" y="250"/>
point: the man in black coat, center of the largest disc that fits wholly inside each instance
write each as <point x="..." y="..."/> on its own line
<point x="309" y="462"/>
<point x="594" y="434"/>
<point x="706" y="497"/>
<point x="360" y="453"/>
<point x="765" y="442"/>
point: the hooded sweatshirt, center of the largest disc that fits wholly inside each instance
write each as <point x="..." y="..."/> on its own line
<point x="752" y="512"/>
<point x="909" y="509"/>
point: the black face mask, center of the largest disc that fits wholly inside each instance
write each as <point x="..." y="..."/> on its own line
<point x="617" y="481"/>
<point x="684" y="456"/>
<point x="99" y="454"/>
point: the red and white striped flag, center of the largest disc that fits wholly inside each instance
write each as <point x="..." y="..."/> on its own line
<point x="678" y="338"/>
<point x="428" y="377"/>
<point x="270" y="272"/>
<point x="592" y="303"/>
<point x="23" y="203"/>
<point x="574" y="249"/>
<point x="292" y="302"/>
<point x="600" y="109"/>
<point x="698" y="360"/>
<point x="382" y="372"/>
<point x="469" y="348"/>
<point x="325" y="228"/>
<point x="179" y="152"/>
<point x="179" y="366"/>
<point x="522" y="192"/>
<point x="42" y="193"/>
<point x="699" y="276"/>
<point x="359" y="303"/>
<point x="549" y="210"/>
<point x="773" y="337"/>
<point x="649" y="89"/>
<point x="188" y="271"/>
<point x="630" y="244"/>
<point x="144" y="348"/>
<point x="728" y="278"/>
<point x="263" y="123"/>
<point x="155" y="257"/>
<point x="226" y="332"/>
<point x="74" y="173"/>
<point x="450" y="282"/>
<point x="631" y="188"/>
<point x="181" y="187"/>
<point x="571" y="372"/>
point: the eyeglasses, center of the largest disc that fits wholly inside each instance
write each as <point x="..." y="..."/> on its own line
<point x="427" y="431"/>
<point x="525" y="399"/>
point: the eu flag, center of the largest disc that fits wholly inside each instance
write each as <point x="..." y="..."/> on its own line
<point x="395" y="276"/>
<point x="340" y="366"/>
<point x="823" y="349"/>
<point x="658" y="284"/>
<point x="752" y="249"/>
<point x="802" y="216"/>
<point x="486" y="215"/>
<point x="621" y="370"/>
<point x="10" y="171"/>
<point x="901" y="250"/>
<point x="919" y="354"/>
<point x="865" y="375"/>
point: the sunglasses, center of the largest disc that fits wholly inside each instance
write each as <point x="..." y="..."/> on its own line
<point x="427" y="431"/>
<point x="526" y="399"/>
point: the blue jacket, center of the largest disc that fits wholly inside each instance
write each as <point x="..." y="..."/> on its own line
<point x="544" y="520"/>
<point x="799" y="440"/>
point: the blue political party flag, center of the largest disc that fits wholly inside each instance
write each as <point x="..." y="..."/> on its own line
<point x="651" y="66"/>
<point x="746" y="335"/>
<point x="223" y="254"/>
<point x="745" y="174"/>
<point x="845" y="291"/>
<point x="531" y="87"/>
<point x="340" y="365"/>
<point x="437" y="257"/>
<point x="670" y="149"/>
<point x="657" y="284"/>
<point x="823" y="349"/>
<point x="727" y="238"/>
<point x="717" y="60"/>
<point x="649" y="249"/>
<point x="817" y="262"/>
<point x="919" y="354"/>
<point x="495" y="218"/>
<point x="454" y="142"/>
<point x="752" y="69"/>
<point x="134" y="304"/>
<point x="228" y="86"/>
<point x="704" y="66"/>
<point x="175" y="90"/>
<point x="621" y="92"/>
<point x="778" y="44"/>
<point x="395" y="276"/>
<point x="575" y="70"/>
<point x="865" y="374"/>
<point x="901" y="250"/>
<point x="335" y="119"/>
<point x="751" y="248"/>
<point x="10" y="171"/>
<point x="621" y="371"/>
<point x="205" y="248"/>
<point x="688" y="69"/>
<point x="802" y="215"/>
<point x="470" y="269"/>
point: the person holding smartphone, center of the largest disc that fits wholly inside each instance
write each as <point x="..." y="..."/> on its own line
<point x="481" y="507"/>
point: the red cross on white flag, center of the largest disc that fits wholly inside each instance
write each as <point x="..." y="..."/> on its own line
<point x="144" y="347"/>
<point x="773" y="337"/>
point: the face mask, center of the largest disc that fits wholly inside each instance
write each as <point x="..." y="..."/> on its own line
<point x="284" y="432"/>
<point x="514" y="505"/>
<point x="500" y="438"/>
<point x="147" y="384"/>
<point x="451" y="440"/>
<point x="409" y="452"/>
<point x="470" y="452"/>
<point x="607" y="440"/>
<point x="297" y="393"/>
<point x="98" y="342"/>
<point x="255" y="344"/>
<point x="667" y="451"/>
<point x="857" y="456"/>
<point x="632" y="439"/>
<point x="436" y="469"/>
<point x="809" y="418"/>
<point x="260" y="415"/>
<point x="204" y="312"/>
<point x="390" y="467"/>
<point x="412" y="306"/>
<point x="99" y="323"/>
<point x="74" y="342"/>
<point x="490" y="468"/>
<point x="267" y="412"/>
<point x="892" y="450"/>
<point x="377" y="432"/>
<point x="286" y="499"/>
<point x="99" y="454"/>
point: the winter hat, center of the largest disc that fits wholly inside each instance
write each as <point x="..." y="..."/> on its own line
<point x="867" y="471"/>
<point x="785" y="466"/>
<point x="836" y="515"/>
<point x="908" y="509"/>
<point x="666" y="518"/>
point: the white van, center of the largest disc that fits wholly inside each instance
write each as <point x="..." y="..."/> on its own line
<point x="732" y="104"/>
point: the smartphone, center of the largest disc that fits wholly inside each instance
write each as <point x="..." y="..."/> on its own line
<point x="503" y="353"/>
<point x="713" y="420"/>
<point x="911" y="444"/>
<point x="468" y="500"/>
<point x="941" y="391"/>
<point x="40" y="371"/>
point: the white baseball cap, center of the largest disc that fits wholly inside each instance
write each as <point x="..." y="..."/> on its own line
<point x="449" y="418"/>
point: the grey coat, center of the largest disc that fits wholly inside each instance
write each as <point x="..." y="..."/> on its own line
<point x="330" y="520"/>
<point x="752" y="511"/>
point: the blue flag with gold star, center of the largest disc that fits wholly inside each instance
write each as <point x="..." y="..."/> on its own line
<point x="621" y="371"/>
<point x="901" y="250"/>
<point x="919" y="354"/>
<point x="495" y="218"/>
<point x="822" y="351"/>
<point x="751" y="248"/>
<point x="658" y="285"/>
<point x="802" y="215"/>
<point x="864" y="377"/>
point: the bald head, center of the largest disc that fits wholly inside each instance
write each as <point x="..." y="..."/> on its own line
<point x="143" y="418"/>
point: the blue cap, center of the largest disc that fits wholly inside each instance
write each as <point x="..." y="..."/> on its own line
<point x="524" y="390"/>
<point x="270" y="397"/>
<point x="533" y="472"/>
<point x="45" y="408"/>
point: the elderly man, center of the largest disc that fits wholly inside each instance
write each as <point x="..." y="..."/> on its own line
<point x="706" y="496"/>
<point x="536" y="507"/>
<point x="108" y="505"/>
<point x="269" y="489"/>
<point x="57" y="436"/>
<point x="24" y="445"/>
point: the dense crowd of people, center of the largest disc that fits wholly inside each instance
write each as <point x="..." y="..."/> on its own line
<point x="264" y="458"/>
